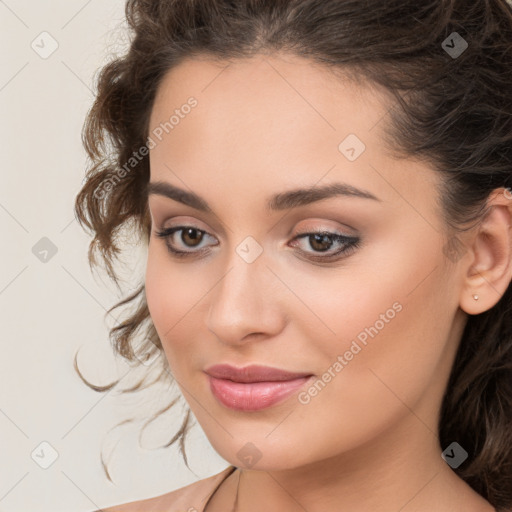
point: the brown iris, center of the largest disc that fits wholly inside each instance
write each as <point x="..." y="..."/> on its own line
<point x="194" y="234"/>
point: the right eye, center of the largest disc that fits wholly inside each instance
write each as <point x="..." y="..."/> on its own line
<point x="190" y="237"/>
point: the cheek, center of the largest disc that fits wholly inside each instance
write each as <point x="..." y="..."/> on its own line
<point x="178" y="301"/>
<point x="396" y="302"/>
<point x="159" y="285"/>
<point x="391" y="327"/>
<point x="170" y="300"/>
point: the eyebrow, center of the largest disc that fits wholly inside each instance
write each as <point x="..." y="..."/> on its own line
<point x="282" y="201"/>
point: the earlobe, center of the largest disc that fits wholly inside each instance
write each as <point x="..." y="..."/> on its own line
<point x="490" y="272"/>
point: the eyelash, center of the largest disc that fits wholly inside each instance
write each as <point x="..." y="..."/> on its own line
<point x="351" y="243"/>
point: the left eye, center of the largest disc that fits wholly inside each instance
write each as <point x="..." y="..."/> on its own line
<point x="320" y="241"/>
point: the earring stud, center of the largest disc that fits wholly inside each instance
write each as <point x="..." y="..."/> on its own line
<point x="475" y="297"/>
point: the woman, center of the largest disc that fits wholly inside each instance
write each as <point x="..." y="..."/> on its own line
<point x="324" y="191"/>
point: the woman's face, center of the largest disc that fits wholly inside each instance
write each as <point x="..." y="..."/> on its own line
<point x="376" y="327"/>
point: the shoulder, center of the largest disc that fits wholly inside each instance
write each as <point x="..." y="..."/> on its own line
<point x="191" y="498"/>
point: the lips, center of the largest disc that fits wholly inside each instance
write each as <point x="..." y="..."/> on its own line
<point x="253" y="373"/>
<point x="253" y="387"/>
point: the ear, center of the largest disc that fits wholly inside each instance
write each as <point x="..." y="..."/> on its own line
<point x="490" y="271"/>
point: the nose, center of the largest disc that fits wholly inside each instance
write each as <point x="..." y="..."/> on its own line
<point x="245" y="303"/>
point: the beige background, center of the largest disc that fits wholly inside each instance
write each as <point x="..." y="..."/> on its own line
<point x="51" y="305"/>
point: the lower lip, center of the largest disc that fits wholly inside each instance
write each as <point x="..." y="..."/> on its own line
<point x="253" y="396"/>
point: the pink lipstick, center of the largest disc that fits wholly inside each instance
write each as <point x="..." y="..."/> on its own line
<point x="254" y="387"/>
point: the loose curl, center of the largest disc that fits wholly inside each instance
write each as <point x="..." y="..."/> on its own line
<point x="454" y="113"/>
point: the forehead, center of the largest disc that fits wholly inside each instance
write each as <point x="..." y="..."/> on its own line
<point x="277" y="89"/>
<point x="271" y="122"/>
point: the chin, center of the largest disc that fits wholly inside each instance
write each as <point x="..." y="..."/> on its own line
<point x="262" y="453"/>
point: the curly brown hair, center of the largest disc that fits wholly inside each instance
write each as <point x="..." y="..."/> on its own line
<point x="454" y="112"/>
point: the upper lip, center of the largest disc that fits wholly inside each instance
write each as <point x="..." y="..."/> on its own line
<point x="252" y="373"/>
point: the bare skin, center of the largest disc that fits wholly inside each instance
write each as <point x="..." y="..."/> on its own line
<point x="368" y="440"/>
